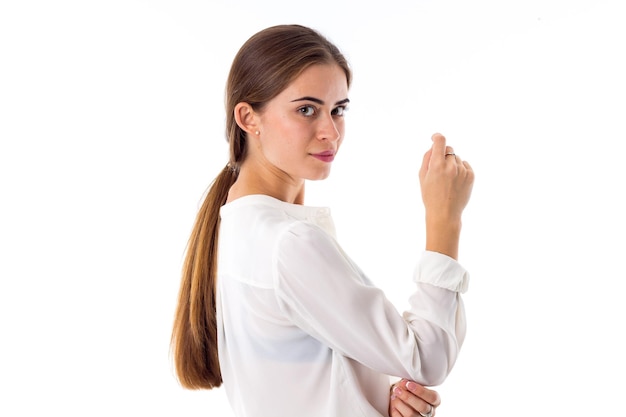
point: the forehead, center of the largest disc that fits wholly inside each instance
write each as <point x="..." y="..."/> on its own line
<point x="326" y="82"/>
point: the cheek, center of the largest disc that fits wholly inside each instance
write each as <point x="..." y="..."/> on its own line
<point x="286" y="128"/>
<point x="284" y="140"/>
<point x="295" y="133"/>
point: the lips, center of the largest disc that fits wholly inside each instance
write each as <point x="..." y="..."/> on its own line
<point x="325" y="156"/>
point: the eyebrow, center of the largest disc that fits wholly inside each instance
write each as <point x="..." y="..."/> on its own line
<point x="320" y="102"/>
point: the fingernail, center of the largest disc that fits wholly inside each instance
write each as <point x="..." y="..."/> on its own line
<point x="411" y="385"/>
<point x="397" y="391"/>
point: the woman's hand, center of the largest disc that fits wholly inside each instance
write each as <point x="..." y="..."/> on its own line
<point x="446" y="182"/>
<point x="409" y="399"/>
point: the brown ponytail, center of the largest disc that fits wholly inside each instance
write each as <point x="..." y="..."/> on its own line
<point x="194" y="338"/>
<point x="264" y="66"/>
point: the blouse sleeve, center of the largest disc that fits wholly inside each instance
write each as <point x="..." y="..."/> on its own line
<point x="323" y="292"/>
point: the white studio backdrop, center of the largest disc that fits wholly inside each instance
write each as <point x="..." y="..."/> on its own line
<point x="111" y="128"/>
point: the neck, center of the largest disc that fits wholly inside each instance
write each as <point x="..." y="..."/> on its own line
<point x="274" y="184"/>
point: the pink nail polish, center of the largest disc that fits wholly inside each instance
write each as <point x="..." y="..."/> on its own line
<point x="397" y="391"/>
<point x="411" y="385"/>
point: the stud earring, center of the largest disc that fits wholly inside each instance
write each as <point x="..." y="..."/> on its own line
<point x="257" y="133"/>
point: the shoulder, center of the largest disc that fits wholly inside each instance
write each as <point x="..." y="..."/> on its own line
<point x="261" y="214"/>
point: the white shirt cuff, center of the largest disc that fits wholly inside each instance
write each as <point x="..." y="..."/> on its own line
<point x="441" y="271"/>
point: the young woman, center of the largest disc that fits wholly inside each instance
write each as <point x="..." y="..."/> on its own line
<point x="270" y="304"/>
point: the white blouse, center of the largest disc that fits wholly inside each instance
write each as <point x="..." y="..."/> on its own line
<point x="303" y="332"/>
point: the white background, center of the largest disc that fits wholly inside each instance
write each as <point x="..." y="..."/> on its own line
<point x="111" y="128"/>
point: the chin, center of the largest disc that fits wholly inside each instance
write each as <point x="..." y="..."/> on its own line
<point x="318" y="176"/>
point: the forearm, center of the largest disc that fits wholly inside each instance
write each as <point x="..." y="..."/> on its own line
<point x="437" y="317"/>
<point x="443" y="236"/>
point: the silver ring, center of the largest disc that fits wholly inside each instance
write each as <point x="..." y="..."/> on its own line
<point x="453" y="154"/>
<point x="430" y="413"/>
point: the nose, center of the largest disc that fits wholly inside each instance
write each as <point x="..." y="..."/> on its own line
<point x="329" y="128"/>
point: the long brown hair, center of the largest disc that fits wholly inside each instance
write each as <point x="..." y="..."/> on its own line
<point x="264" y="66"/>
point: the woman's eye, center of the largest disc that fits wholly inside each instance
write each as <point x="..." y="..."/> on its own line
<point x="307" y="110"/>
<point x="339" y="111"/>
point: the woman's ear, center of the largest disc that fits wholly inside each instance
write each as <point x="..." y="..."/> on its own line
<point x="246" y="118"/>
